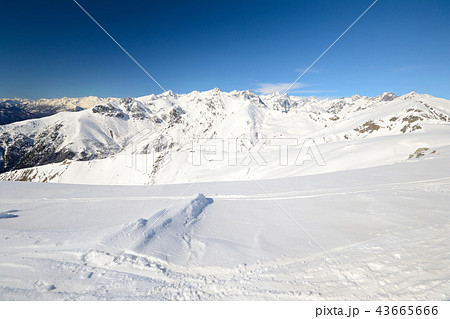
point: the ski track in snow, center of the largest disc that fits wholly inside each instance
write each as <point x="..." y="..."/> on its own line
<point x="263" y="196"/>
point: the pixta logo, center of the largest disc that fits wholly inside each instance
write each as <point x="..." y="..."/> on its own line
<point x="244" y="151"/>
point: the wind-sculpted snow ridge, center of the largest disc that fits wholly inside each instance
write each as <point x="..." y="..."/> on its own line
<point x="168" y="235"/>
<point x="96" y="146"/>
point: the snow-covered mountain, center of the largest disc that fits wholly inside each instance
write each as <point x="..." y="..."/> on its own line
<point x="16" y="109"/>
<point x="153" y="139"/>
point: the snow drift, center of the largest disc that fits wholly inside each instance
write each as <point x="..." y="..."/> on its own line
<point x="169" y="234"/>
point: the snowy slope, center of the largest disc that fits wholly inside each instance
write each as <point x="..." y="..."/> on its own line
<point x="387" y="227"/>
<point x="152" y="139"/>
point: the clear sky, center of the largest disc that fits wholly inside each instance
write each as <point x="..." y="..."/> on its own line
<point x="52" y="49"/>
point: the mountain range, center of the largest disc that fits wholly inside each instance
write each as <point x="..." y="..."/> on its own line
<point x="153" y="139"/>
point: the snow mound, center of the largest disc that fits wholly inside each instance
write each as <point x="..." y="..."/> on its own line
<point x="168" y="235"/>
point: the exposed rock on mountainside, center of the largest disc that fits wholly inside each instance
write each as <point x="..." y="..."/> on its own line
<point x="108" y="110"/>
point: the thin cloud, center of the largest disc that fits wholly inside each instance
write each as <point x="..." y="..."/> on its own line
<point x="409" y="67"/>
<point x="314" y="91"/>
<point x="267" y="88"/>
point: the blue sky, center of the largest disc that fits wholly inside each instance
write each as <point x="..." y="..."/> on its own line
<point x="52" y="49"/>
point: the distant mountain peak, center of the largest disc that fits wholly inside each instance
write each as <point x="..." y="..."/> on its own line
<point x="386" y="96"/>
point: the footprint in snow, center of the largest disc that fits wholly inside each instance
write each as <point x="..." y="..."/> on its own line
<point x="44" y="286"/>
<point x="86" y="275"/>
<point x="9" y="214"/>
